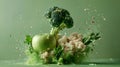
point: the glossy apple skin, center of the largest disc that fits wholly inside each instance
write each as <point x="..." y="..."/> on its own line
<point x="43" y="42"/>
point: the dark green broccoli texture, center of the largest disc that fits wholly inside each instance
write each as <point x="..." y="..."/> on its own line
<point x="58" y="16"/>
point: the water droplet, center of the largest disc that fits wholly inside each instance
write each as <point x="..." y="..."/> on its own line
<point x="20" y="55"/>
<point x="16" y="48"/>
<point x="104" y="19"/>
<point x="86" y="9"/>
<point x="95" y="10"/>
<point x="65" y="33"/>
<point x="111" y="59"/>
<point x="31" y="27"/>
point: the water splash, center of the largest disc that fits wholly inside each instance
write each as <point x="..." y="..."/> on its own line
<point x="93" y="20"/>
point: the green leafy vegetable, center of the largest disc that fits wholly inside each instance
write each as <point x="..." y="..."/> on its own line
<point x="28" y="41"/>
<point x="91" y="38"/>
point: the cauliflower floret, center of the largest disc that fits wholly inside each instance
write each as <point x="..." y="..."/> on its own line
<point x="72" y="43"/>
<point x="75" y="36"/>
<point x="44" y="55"/>
<point x="80" y="45"/>
<point x="63" y="40"/>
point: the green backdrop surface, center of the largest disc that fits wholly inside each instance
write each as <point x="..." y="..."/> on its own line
<point x="21" y="17"/>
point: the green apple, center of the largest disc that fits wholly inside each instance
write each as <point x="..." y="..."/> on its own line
<point x="43" y="42"/>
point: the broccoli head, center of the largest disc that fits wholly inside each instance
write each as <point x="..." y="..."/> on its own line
<point x="59" y="16"/>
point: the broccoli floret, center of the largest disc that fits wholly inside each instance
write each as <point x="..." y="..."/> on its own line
<point x="68" y="21"/>
<point x="59" y="19"/>
<point x="48" y="14"/>
<point x="56" y="18"/>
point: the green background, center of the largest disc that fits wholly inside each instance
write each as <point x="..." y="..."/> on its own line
<point x="21" y="17"/>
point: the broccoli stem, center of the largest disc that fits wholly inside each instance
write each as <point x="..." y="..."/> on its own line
<point x="55" y="30"/>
